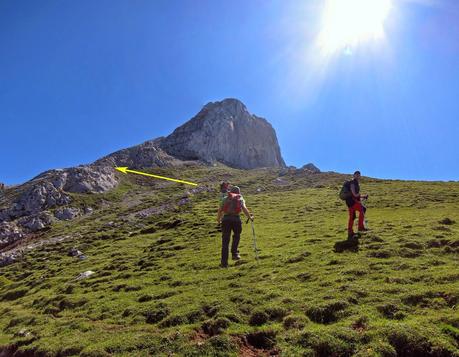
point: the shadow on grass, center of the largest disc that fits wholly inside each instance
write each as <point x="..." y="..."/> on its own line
<point x="350" y="245"/>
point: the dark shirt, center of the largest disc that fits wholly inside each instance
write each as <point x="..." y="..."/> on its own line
<point x="351" y="200"/>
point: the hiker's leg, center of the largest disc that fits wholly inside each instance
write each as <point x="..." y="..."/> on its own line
<point x="237" y="229"/>
<point x="350" y="224"/>
<point x="226" y="234"/>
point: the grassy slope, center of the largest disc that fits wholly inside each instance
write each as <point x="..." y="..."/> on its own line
<point x="157" y="288"/>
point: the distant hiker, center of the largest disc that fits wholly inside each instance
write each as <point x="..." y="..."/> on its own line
<point x="2" y="186"/>
<point x="350" y="193"/>
<point x="230" y="208"/>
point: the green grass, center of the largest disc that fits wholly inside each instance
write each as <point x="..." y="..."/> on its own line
<point x="157" y="289"/>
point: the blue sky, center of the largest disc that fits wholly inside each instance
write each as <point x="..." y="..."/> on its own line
<point x="81" y="79"/>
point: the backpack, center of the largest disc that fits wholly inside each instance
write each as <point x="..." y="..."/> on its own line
<point x="345" y="192"/>
<point x="232" y="204"/>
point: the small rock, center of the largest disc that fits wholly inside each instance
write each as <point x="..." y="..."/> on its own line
<point x="22" y="333"/>
<point x="85" y="275"/>
<point x="88" y="210"/>
<point x="73" y="252"/>
<point x="67" y="213"/>
<point x="183" y="201"/>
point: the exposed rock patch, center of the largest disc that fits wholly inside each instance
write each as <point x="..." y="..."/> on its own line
<point x="9" y="233"/>
<point x="67" y="213"/>
<point x="36" y="222"/>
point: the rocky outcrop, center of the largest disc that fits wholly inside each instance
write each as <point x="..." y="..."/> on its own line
<point x="148" y="154"/>
<point x="37" y="197"/>
<point x="29" y="210"/>
<point x="9" y="233"/>
<point x="226" y="132"/>
<point x="36" y="222"/>
<point x="50" y="189"/>
<point x="310" y="168"/>
<point x="90" y="179"/>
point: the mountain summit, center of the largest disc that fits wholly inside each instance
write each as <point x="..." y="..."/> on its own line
<point x="222" y="131"/>
<point x="225" y="131"/>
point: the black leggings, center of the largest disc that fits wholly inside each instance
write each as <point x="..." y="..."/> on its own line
<point x="230" y="223"/>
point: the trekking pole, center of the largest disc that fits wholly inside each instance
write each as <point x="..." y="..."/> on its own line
<point x="363" y="203"/>
<point x="254" y="238"/>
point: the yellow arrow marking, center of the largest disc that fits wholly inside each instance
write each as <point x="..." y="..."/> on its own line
<point x="125" y="170"/>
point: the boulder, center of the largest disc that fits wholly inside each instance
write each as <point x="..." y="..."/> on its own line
<point x="36" y="222"/>
<point x="84" y="275"/>
<point x="9" y="233"/>
<point x="67" y="213"/>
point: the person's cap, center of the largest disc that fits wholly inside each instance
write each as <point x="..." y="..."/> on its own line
<point x="235" y="189"/>
<point x="357" y="173"/>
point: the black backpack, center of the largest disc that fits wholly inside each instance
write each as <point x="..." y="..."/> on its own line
<point x="345" y="192"/>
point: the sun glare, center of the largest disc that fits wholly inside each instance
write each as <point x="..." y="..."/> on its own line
<point x="348" y="23"/>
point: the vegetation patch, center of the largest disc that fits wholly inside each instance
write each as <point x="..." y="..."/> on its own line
<point x="215" y="326"/>
<point x="323" y="344"/>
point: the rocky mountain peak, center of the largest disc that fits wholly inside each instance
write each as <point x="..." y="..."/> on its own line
<point x="226" y="132"/>
<point x="232" y="106"/>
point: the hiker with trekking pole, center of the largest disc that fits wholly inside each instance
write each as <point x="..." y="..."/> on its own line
<point x="229" y="217"/>
<point x="350" y="192"/>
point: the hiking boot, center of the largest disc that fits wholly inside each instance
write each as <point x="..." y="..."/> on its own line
<point x="223" y="265"/>
<point x="236" y="256"/>
<point x="350" y="235"/>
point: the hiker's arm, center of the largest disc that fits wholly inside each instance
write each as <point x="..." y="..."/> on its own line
<point x="219" y="215"/>
<point x="247" y="213"/>
<point x="354" y="194"/>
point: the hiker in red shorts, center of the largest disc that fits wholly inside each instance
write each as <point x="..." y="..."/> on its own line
<point x="355" y="205"/>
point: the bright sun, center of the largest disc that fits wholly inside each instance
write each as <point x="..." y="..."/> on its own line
<point x="347" y="23"/>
